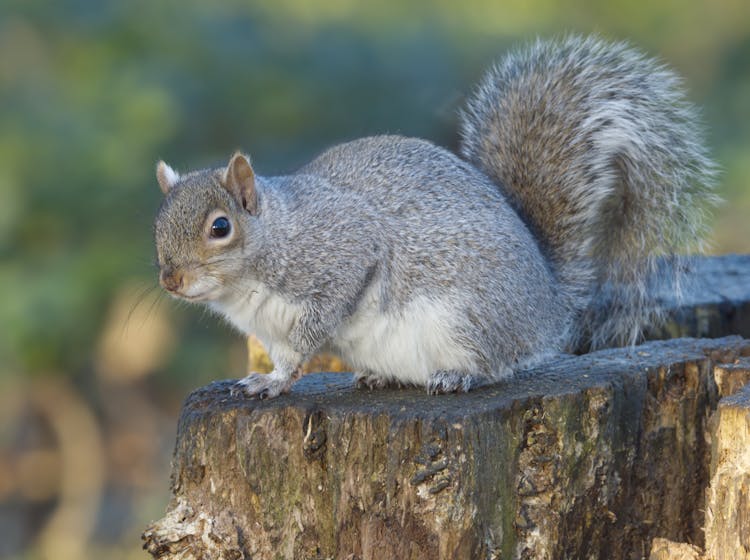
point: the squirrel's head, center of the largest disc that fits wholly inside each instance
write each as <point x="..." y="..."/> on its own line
<point x="204" y="228"/>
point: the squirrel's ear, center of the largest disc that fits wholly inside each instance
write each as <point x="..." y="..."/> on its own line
<point x="239" y="180"/>
<point x="166" y="176"/>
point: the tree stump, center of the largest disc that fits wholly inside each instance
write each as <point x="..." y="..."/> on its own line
<point x="591" y="456"/>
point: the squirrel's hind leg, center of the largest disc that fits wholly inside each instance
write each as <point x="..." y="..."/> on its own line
<point x="452" y="381"/>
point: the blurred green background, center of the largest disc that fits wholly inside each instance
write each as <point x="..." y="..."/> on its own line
<point x="94" y="362"/>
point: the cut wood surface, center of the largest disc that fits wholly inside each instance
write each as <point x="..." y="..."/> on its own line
<point x="592" y="456"/>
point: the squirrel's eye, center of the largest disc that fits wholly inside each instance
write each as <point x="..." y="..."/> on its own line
<point x="220" y="227"/>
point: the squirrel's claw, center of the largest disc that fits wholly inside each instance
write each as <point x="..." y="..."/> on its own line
<point x="260" y="385"/>
<point x="367" y="380"/>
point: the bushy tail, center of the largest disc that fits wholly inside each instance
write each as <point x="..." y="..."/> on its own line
<point x="597" y="148"/>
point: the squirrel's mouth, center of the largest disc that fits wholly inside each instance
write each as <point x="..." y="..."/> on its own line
<point x="183" y="285"/>
<point x="194" y="296"/>
<point x="190" y="295"/>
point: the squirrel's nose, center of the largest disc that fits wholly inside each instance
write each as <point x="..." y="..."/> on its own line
<point x="170" y="279"/>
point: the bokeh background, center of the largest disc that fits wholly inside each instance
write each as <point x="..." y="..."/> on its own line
<point x="94" y="362"/>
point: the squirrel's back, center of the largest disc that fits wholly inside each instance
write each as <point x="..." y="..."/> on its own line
<point x="450" y="233"/>
<point x="598" y="150"/>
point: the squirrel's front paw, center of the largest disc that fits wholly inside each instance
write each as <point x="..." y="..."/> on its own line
<point x="262" y="385"/>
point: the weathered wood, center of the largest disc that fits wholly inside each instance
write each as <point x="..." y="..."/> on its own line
<point x="715" y="300"/>
<point x="589" y="457"/>
<point x="664" y="549"/>
<point x="727" y="502"/>
<point x="728" y="496"/>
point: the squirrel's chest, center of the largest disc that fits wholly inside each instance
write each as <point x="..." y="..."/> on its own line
<point x="259" y="310"/>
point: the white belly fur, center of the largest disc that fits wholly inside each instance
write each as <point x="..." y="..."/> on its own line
<point x="408" y="345"/>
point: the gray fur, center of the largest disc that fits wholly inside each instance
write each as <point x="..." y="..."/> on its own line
<point x="521" y="267"/>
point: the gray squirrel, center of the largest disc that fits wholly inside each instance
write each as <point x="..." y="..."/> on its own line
<point x="581" y="167"/>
